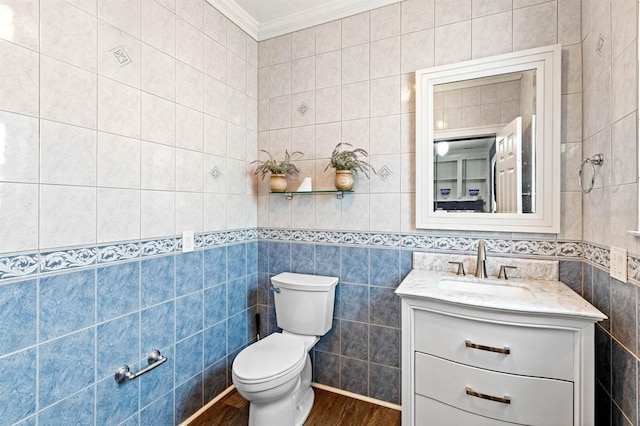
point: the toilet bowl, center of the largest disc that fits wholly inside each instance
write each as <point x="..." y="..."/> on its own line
<point x="274" y="374"/>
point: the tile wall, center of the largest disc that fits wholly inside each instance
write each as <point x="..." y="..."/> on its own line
<point x="132" y="123"/>
<point x="483" y="105"/>
<point x="361" y="352"/>
<point x="123" y="109"/>
<point x="610" y="78"/>
<point x="352" y="80"/>
<point x="356" y="77"/>
<point x="609" y="32"/>
<point x="616" y="357"/>
<point x="62" y="337"/>
<point x="123" y="124"/>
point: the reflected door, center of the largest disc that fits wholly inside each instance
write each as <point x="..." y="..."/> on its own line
<point x="508" y="168"/>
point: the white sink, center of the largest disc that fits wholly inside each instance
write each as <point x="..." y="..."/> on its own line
<point x="480" y="286"/>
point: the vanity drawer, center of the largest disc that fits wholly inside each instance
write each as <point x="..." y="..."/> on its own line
<point x="541" y="352"/>
<point x="468" y="388"/>
<point x="430" y="412"/>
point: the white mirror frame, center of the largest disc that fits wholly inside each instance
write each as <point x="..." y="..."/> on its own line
<point x="546" y="217"/>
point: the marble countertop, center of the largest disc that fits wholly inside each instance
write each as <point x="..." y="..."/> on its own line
<point x="549" y="296"/>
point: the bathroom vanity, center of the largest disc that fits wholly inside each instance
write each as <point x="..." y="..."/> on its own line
<point x="489" y="351"/>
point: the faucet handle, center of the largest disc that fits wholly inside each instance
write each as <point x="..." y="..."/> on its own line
<point x="460" y="270"/>
<point x="503" y="271"/>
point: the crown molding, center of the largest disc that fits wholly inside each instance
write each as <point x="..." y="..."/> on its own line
<point x="321" y="14"/>
<point x="337" y="9"/>
<point x="238" y="16"/>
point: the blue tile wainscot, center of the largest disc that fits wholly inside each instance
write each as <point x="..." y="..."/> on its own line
<point x="70" y="318"/>
<point x="68" y="323"/>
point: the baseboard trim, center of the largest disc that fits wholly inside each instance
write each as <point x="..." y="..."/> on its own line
<point x="208" y="405"/>
<point x="357" y="396"/>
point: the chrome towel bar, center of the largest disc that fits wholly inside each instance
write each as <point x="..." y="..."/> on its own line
<point x="154" y="359"/>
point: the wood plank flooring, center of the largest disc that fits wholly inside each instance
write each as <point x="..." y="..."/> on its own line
<point x="329" y="409"/>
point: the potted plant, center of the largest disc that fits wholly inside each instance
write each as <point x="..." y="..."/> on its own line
<point x="348" y="162"/>
<point x="279" y="170"/>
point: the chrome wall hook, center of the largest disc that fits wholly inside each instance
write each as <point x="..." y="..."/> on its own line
<point x="596" y="160"/>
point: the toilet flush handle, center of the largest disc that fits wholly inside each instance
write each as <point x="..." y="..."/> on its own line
<point x="275" y="289"/>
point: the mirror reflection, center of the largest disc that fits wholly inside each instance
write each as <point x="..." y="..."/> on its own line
<point x="484" y="144"/>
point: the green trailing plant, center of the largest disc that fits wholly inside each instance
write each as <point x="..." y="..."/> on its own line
<point x="350" y="159"/>
<point x="274" y="166"/>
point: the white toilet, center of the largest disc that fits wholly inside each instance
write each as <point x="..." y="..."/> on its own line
<point x="274" y="374"/>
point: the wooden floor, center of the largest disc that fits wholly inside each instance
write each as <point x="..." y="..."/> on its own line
<point x="328" y="409"/>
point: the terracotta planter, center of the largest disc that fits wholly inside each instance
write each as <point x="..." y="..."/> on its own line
<point x="278" y="183"/>
<point x="344" y="180"/>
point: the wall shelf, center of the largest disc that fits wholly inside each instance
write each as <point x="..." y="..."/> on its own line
<point x="288" y="195"/>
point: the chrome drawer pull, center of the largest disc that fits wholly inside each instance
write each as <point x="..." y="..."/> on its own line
<point x="504" y="399"/>
<point x="471" y="345"/>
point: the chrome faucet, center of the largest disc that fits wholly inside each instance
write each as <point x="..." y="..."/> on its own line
<point x="481" y="266"/>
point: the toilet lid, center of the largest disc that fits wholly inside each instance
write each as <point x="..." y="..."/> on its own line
<point x="269" y="357"/>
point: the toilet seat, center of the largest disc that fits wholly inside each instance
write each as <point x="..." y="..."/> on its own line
<point x="275" y="357"/>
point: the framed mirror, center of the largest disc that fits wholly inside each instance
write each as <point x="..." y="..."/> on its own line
<point x="488" y="143"/>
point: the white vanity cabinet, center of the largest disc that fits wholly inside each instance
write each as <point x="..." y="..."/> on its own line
<point x="497" y="361"/>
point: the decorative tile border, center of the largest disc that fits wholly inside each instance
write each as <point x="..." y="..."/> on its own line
<point x="443" y="243"/>
<point x="14" y="266"/>
<point x="600" y="257"/>
<point x="633" y="269"/>
<point x="572" y="249"/>
<point x="68" y="259"/>
<point x="114" y="253"/>
<point x="596" y="255"/>
<point x="21" y="265"/>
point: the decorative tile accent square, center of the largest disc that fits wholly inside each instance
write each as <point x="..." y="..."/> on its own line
<point x="303" y="109"/>
<point x="384" y="173"/>
<point x="600" y="45"/>
<point x="215" y="173"/>
<point x="120" y="56"/>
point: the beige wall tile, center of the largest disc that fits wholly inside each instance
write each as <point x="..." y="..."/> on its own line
<point x="328" y="37"/>
<point x="417" y="15"/>
<point x="568" y="24"/>
<point x="489" y="7"/>
<point x="624" y="83"/>
<point x="535" y="26"/>
<point x="355" y="30"/>
<point x="417" y="51"/>
<point x="385" y="58"/>
<point x="19" y="217"/>
<point x="624" y="150"/>
<point x="355" y="64"/>
<point x="385" y="22"/>
<point x="24" y="29"/>
<point x="303" y="43"/>
<point x="491" y="35"/>
<point x="453" y="43"/>
<point x="450" y="11"/>
<point x="303" y="74"/>
<point x="624" y="17"/>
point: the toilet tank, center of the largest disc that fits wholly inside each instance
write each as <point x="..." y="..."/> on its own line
<point x="304" y="303"/>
